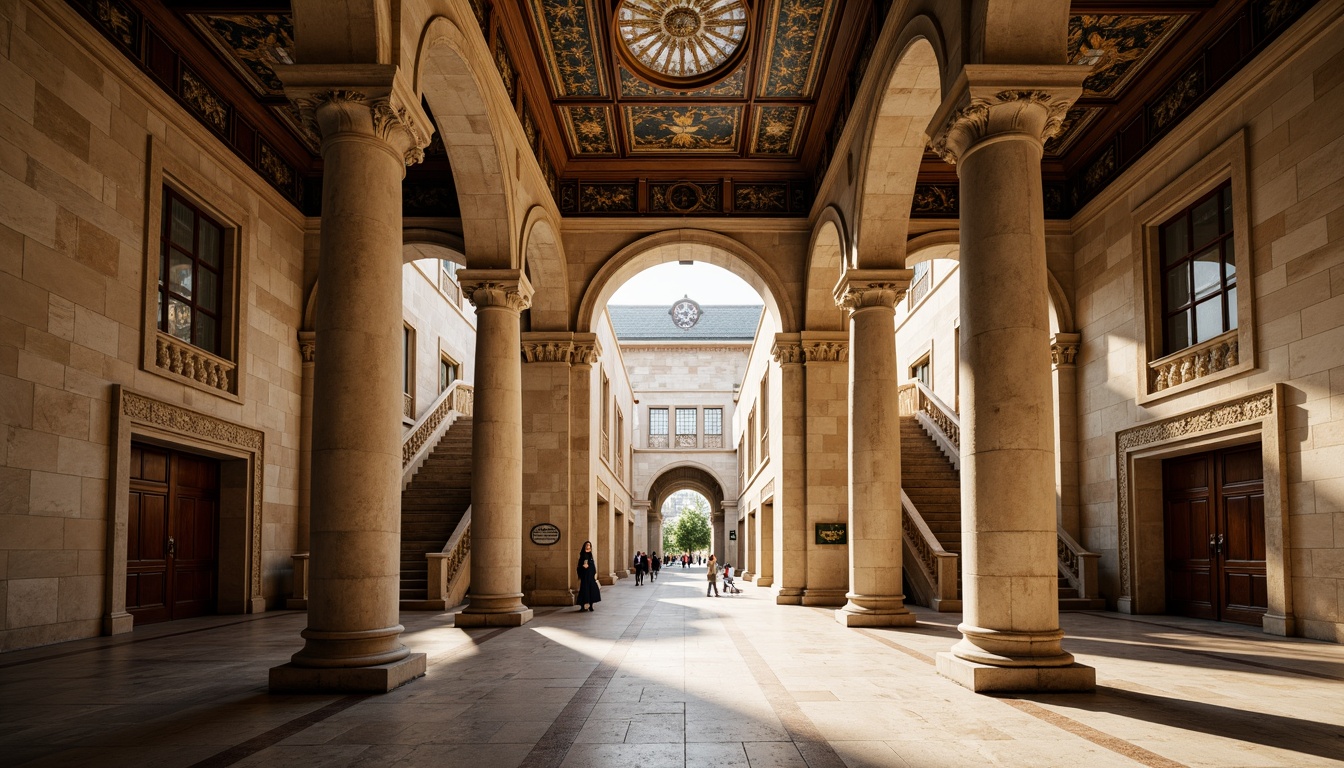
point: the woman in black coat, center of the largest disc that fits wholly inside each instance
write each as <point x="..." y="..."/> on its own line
<point x="587" y="569"/>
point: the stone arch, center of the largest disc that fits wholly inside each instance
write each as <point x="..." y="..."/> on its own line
<point x="544" y="263"/>
<point x="414" y="244"/>
<point x="1020" y="31"/>
<point x="681" y="244"/>
<point x="827" y="257"/>
<point x="452" y="75"/>
<point x="945" y="244"/>
<point x="687" y="475"/>
<point x="343" y="31"/>
<point x="894" y="146"/>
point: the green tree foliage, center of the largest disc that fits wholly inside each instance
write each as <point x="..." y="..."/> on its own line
<point x="691" y="533"/>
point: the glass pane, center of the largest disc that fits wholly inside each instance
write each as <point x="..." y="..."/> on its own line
<point x="1227" y="208"/>
<point x="205" y="332"/>
<point x="179" y="273"/>
<point x="208" y="299"/>
<point x="1178" y="331"/>
<point x="1178" y="288"/>
<point x="1231" y="308"/>
<point x="208" y="244"/>
<point x="158" y="311"/>
<point x="1173" y="242"/>
<point x="1229" y="262"/>
<point x="183" y="224"/>
<point x="1208" y="270"/>
<point x="1208" y="319"/>
<point x="686" y="421"/>
<point x="179" y="320"/>
<point x="443" y="376"/>
<point x="1205" y="218"/>
<point x="657" y="421"/>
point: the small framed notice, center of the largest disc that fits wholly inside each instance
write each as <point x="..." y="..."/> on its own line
<point x="732" y="535"/>
<point x="545" y="534"/>
<point x="832" y="533"/>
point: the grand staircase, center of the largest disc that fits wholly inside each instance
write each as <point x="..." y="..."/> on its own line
<point x="931" y="486"/>
<point x="433" y="505"/>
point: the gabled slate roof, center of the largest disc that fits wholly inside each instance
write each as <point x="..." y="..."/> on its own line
<point x="722" y="322"/>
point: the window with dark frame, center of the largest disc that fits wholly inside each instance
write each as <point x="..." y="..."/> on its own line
<point x="657" y="421"/>
<point x="191" y="275"/>
<point x="447" y="373"/>
<point x="713" y="421"/>
<point x="922" y="371"/>
<point x="1198" y="272"/>
<point x="407" y="356"/>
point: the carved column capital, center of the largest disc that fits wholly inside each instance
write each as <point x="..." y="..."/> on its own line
<point x="587" y="350"/>
<point x="1064" y="349"/>
<point x="787" y="349"/>
<point x="365" y="100"/>
<point x="864" y="288"/>
<point x="826" y="351"/>
<point x="990" y="100"/>
<point x="308" y="346"/>
<point x="541" y="347"/>
<point x="507" y="288"/>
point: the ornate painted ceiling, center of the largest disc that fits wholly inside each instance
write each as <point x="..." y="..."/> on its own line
<point x="696" y="107"/>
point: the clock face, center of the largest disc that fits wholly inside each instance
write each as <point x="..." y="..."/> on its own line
<point x="685" y="314"/>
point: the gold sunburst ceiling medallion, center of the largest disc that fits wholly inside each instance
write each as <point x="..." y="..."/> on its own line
<point x="682" y="43"/>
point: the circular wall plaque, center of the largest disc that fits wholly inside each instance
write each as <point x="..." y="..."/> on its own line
<point x="545" y="534"/>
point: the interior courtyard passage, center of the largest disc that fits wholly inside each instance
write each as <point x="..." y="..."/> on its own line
<point x="661" y="676"/>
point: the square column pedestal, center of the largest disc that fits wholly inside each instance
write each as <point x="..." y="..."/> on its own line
<point x="984" y="678"/>
<point x="381" y="678"/>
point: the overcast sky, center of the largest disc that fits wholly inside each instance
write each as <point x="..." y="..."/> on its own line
<point x="707" y="284"/>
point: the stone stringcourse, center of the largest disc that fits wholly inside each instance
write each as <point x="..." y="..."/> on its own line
<point x="178" y="419"/>
<point x="1194" y="363"/>
<point x="462" y="401"/>
<point x="1241" y="411"/>
<point x="183" y="359"/>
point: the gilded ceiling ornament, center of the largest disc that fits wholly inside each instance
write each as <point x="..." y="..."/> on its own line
<point x="681" y="39"/>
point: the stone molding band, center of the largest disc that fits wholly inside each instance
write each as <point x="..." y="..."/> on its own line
<point x="567" y="348"/>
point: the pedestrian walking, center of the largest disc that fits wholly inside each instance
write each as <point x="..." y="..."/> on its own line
<point x="589" y="593"/>
<point x="712" y="573"/>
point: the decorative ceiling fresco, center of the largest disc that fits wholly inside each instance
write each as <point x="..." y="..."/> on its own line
<point x="694" y="107"/>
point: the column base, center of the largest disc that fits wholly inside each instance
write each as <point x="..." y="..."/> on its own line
<point x="789" y="596"/>
<point x="296" y="604"/>
<point x="624" y="573"/>
<point x="983" y="678"/>
<point x="515" y="618"/>
<point x="606" y="579"/>
<point x="860" y="618"/>
<point x="824" y="598"/>
<point x="748" y="575"/>
<point x="765" y="581"/>
<point x="118" y="623"/>
<point x="288" y="678"/>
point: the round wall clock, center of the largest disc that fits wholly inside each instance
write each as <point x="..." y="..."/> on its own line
<point x="682" y="43"/>
<point x="685" y="314"/>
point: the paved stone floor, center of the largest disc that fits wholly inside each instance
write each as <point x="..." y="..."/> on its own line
<point x="662" y="676"/>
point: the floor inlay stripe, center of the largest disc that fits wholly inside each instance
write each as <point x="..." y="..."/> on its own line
<point x="812" y="745"/>
<point x="1117" y="745"/>
<point x="550" y="751"/>
<point x="278" y="734"/>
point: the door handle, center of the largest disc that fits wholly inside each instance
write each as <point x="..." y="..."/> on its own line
<point x="172" y="547"/>
<point x="1213" y="543"/>
<point x="1218" y="548"/>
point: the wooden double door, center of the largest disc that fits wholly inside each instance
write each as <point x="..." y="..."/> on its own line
<point x="172" y="537"/>
<point x="1214" y="521"/>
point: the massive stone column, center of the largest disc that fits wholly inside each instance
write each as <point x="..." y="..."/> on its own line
<point x="790" y="450"/>
<point x="992" y="126"/>
<point x="583" y="517"/>
<point x="875" y="597"/>
<point x="371" y="127"/>
<point x="496" y="594"/>
<point x="826" y="370"/>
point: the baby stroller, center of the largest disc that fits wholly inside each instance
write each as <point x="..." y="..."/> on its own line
<point x="729" y="583"/>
